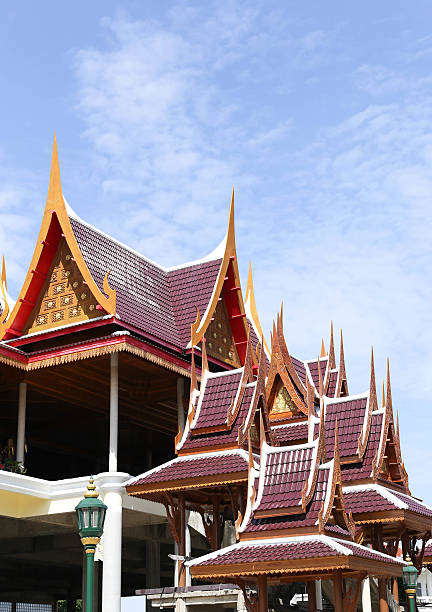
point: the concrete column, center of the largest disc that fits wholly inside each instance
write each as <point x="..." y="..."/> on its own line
<point x="180" y="406"/>
<point x="113" y="430"/>
<point x="312" y="601"/>
<point x="429" y="582"/>
<point x="112" y="542"/>
<point x="319" y="600"/>
<point x="366" y="595"/>
<point x="153" y="561"/>
<point x="22" y="407"/>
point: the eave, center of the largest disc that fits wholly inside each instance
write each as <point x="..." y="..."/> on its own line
<point x="299" y="567"/>
<point x="196" y="482"/>
<point x="95" y="348"/>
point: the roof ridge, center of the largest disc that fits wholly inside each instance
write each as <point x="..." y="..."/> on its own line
<point x="214" y="255"/>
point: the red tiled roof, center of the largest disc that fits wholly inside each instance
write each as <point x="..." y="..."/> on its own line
<point x="292" y="432"/>
<point x="191" y="466"/>
<point x="377" y="498"/>
<point x="222" y="438"/>
<point x="157" y="301"/>
<point x="287" y="549"/>
<point x="294" y="521"/>
<point x="350" y="416"/>
<point x="331" y="390"/>
<point x="414" y="505"/>
<point x="366" y="500"/>
<point x="284" y="473"/>
<point x="363" y="469"/>
<point x="299" y="368"/>
<point x="218" y="393"/>
<point x="313" y="368"/>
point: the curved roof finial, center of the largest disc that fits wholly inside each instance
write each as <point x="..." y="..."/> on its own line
<point x="54" y="189"/>
<point x="323" y="351"/>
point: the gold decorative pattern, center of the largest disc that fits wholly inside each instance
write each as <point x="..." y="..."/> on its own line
<point x="220" y="339"/>
<point x="55" y="207"/>
<point x="65" y="301"/>
<point x="283" y="403"/>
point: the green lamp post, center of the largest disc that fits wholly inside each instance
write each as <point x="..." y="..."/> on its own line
<point x="410" y="583"/>
<point x="90" y="513"/>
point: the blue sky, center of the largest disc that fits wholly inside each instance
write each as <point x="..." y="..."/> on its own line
<point x="319" y="113"/>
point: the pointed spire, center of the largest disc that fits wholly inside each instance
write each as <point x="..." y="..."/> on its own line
<point x="54" y="190"/>
<point x="3" y="274"/>
<point x="331" y="356"/>
<point x="249" y="286"/>
<point x="323" y="351"/>
<point x="397" y="424"/>
<point x="373" y="403"/>
<point x="204" y="361"/>
<point x="342" y="372"/>
<point x="389" y="403"/>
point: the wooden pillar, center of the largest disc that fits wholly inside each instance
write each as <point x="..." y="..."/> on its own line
<point x="382" y="591"/>
<point x="182" y="544"/>
<point x="312" y="598"/>
<point x="262" y="594"/>
<point x="338" y="595"/>
<point x="216" y="523"/>
<point x="395" y="590"/>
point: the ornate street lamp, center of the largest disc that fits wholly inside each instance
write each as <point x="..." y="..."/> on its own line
<point x="90" y="513"/>
<point x="410" y="583"/>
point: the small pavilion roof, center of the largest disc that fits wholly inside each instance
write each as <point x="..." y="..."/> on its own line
<point x="368" y="498"/>
<point x="296" y="556"/>
<point x="191" y="471"/>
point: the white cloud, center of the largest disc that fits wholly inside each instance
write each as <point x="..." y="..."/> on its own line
<point x="337" y="223"/>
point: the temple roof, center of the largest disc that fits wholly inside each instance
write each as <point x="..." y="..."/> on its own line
<point x="291" y="555"/>
<point x="375" y="498"/>
<point x="159" y="301"/>
<point x="190" y="471"/>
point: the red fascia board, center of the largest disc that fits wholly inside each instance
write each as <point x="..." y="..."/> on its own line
<point x="234" y="313"/>
<point x="54" y="333"/>
<point x="12" y="354"/>
<point x="42" y="268"/>
<point x="98" y="343"/>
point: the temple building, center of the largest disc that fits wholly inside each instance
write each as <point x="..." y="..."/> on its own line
<point x="235" y="474"/>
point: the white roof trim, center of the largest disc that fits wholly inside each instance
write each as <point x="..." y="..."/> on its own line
<point x="327" y="466"/>
<point x="217" y="253"/>
<point x="334" y="543"/>
<point x="386" y="493"/>
<point x="184" y="458"/>
<point x="186" y="430"/>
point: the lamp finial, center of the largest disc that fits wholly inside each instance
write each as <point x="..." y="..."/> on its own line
<point x="91" y="489"/>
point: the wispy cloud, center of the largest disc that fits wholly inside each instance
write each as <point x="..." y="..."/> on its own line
<point x="337" y="223"/>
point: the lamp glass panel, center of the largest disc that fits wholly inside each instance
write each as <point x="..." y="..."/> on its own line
<point x="95" y="517"/>
<point x="86" y="518"/>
